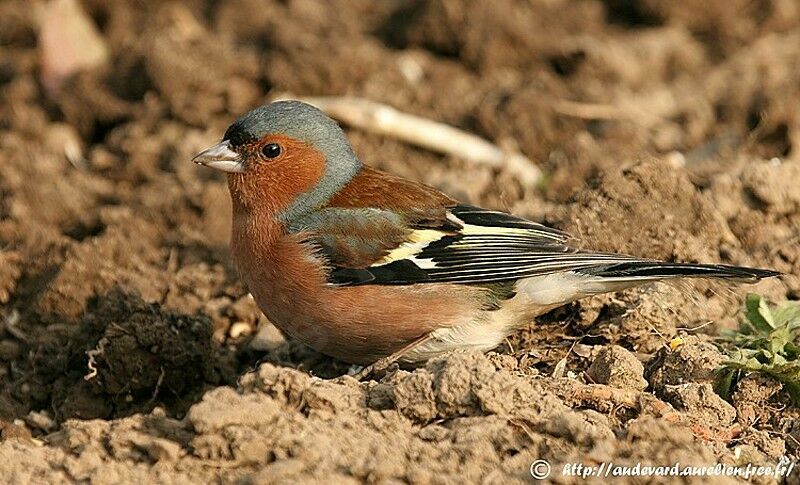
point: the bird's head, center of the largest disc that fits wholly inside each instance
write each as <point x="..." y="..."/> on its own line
<point x="285" y="158"/>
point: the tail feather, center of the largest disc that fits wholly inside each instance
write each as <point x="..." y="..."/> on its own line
<point x="655" y="270"/>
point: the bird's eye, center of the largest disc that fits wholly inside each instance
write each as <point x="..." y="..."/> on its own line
<point x="271" y="150"/>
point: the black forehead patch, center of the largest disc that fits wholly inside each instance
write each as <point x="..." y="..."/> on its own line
<point x="238" y="135"/>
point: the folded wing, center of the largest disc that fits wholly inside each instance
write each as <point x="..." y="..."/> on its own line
<point x="462" y="244"/>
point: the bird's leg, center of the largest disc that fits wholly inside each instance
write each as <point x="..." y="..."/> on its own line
<point x="381" y="365"/>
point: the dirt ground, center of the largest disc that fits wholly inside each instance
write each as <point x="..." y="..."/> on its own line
<point x="129" y="351"/>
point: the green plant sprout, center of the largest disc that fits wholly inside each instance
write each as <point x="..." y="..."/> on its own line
<point x="765" y="342"/>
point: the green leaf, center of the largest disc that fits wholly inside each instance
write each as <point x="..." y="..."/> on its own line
<point x="768" y="341"/>
<point x="787" y="314"/>
<point x="779" y="339"/>
<point x="758" y="313"/>
<point x="778" y="359"/>
<point x="792" y="351"/>
<point x="725" y="383"/>
<point x="754" y="364"/>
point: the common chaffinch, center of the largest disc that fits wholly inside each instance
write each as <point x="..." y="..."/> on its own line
<point x="363" y="265"/>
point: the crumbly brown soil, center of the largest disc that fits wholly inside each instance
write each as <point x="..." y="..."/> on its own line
<point x="128" y="349"/>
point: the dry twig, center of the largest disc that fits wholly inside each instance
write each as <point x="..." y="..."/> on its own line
<point x="10" y="324"/>
<point x="93" y="354"/>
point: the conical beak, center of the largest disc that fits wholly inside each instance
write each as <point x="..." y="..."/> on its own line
<point x="221" y="157"/>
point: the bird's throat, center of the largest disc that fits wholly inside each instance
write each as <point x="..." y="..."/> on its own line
<point x="254" y="231"/>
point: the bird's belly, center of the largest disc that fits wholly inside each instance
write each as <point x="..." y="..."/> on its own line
<point x="480" y="334"/>
<point x="487" y="329"/>
<point x="362" y="324"/>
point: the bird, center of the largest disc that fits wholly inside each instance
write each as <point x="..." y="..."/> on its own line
<point x="369" y="267"/>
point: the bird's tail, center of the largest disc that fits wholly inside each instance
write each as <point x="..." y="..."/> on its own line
<point x="634" y="272"/>
<point x="600" y="276"/>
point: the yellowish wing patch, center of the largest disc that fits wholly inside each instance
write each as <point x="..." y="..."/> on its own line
<point x="417" y="241"/>
<point x="473" y="230"/>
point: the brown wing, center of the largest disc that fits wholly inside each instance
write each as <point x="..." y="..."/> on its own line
<point x="373" y="215"/>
